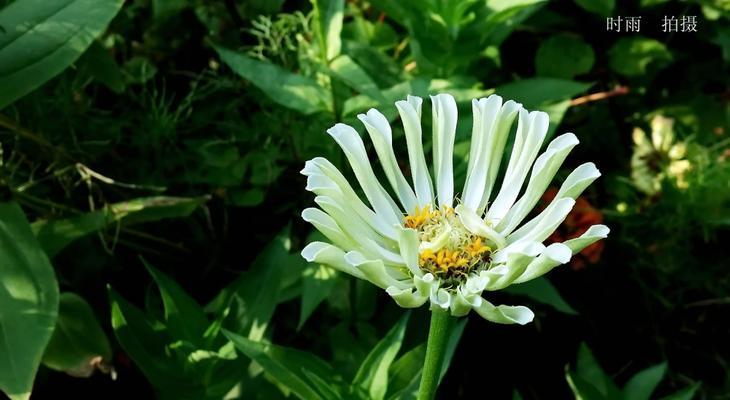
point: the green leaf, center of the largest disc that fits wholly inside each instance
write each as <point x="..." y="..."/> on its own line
<point x="582" y="388"/>
<point x="78" y="345"/>
<point x="145" y="341"/>
<point x="600" y="7"/>
<point x="317" y="284"/>
<point x="373" y="372"/>
<point x="588" y="369"/>
<point x="28" y="302"/>
<point x="564" y="56"/>
<point x="45" y="37"/>
<point x="328" y="15"/>
<point x="684" y="394"/>
<point x="636" y="55"/>
<point x="283" y="87"/>
<point x="287" y="366"/>
<point x="54" y="235"/>
<point x="99" y="64"/>
<point x="541" y="290"/>
<point x="534" y="93"/>
<point x="251" y="299"/>
<point x="642" y="385"/>
<point x="454" y="338"/>
<point x="184" y="318"/>
<point x="405" y="373"/>
<point x="344" y="68"/>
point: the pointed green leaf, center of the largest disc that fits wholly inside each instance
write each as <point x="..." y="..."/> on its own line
<point x="642" y="385"/>
<point x="317" y="284"/>
<point x="344" y="68"/>
<point x="582" y="388"/>
<point x="78" y="344"/>
<point x="28" y="302"/>
<point x="281" y="86"/>
<point x="41" y="38"/>
<point x="373" y="372"/>
<point x="688" y="393"/>
<point x="589" y="370"/>
<point x="287" y="366"/>
<point x="329" y="15"/>
<point x="184" y="318"/>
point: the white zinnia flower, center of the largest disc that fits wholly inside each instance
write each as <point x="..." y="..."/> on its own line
<point x="431" y="246"/>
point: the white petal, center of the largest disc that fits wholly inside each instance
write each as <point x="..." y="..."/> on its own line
<point x="325" y="253"/>
<point x="354" y="149"/>
<point x="380" y="133"/>
<point x="328" y="227"/>
<point x="477" y="226"/>
<point x="554" y="255"/>
<point x="496" y="144"/>
<point x="426" y="284"/>
<point x="440" y="299"/>
<point x="408" y="245"/>
<point x="374" y="271"/>
<point x="320" y="166"/>
<point x="410" y="114"/>
<point x="524" y="152"/>
<point x="592" y="235"/>
<point x="504" y="314"/>
<point x="545" y="223"/>
<point x="485" y="115"/>
<point x="542" y="173"/>
<point x="518" y="260"/>
<point x="406" y="298"/>
<point x="444" y="132"/>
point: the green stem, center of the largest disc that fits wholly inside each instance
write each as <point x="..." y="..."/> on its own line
<point x="438" y="337"/>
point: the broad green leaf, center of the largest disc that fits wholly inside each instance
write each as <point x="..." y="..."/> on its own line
<point x="373" y="372"/>
<point x="184" y="318"/>
<point x="637" y="55"/>
<point x="283" y="87"/>
<point x="99" y="64"/>
<point x="329" y="15"/>
<point x="405" y="373"/>
<point x="78" y="345"/>
<point x="536" y="92"/>
<point x="56" y="234"/>
<point x="543" y="291"/>
<point x="564" y="56"/>
<point x="317" y="283"/>
<point x="582" y="388"/>
<point x="42" y="38"/>
<point x="251" y="299"/>
<point x="28" y="302"/>
<point x="642" y="385"/>
<point x="287" y="366"/>
<point x="344" y="68"/>
<point x="589" y="370"/>
<point x="600" y="7"/>
<point x="688" y="393"/>
<point x="146" y="342"/>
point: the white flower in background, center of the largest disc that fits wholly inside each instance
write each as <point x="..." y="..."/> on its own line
<point x="431" y="245"/>
<point x="659" y="158"/>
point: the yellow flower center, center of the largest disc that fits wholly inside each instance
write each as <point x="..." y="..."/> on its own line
<point x="449" y="250"/>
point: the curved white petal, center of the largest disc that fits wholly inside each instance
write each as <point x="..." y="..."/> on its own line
<point x="320" y="166"/>
<point x="380" y="133"/>
<point x="440" y="298"/>
<point x="554" y="255"/>
<point x="545" y="223"/>
<point x="504" y="314"/>
<point x="375" y="271"/>
<point x="542" y="173"/>
<point x="444" y="132"/>
<point x="527" y="145"/>
<point x="518" y="259"/>
<point x="406" y="298"/>
<point x="477" y="226"/>
<point x="410" y="114"/>
<point x="354" y="150"/>
<point x="328" y="227"/>
<point x="592" y="235"/>
<point x="426" y="284"/>
<point x="325" y="253"/>
<point x="408" y="245"/>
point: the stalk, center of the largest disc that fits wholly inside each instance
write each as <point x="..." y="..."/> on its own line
<point x="438" y="337"/>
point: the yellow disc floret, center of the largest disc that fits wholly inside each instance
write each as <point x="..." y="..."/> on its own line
<point x="448" y="249"/>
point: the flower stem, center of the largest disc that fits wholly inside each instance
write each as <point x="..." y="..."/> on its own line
<point x="438" y="337"/>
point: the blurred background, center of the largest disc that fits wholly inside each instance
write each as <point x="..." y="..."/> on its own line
<point x="172" y="134"/>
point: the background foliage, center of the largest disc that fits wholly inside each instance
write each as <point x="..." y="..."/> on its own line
<point x="150" y="229"/>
